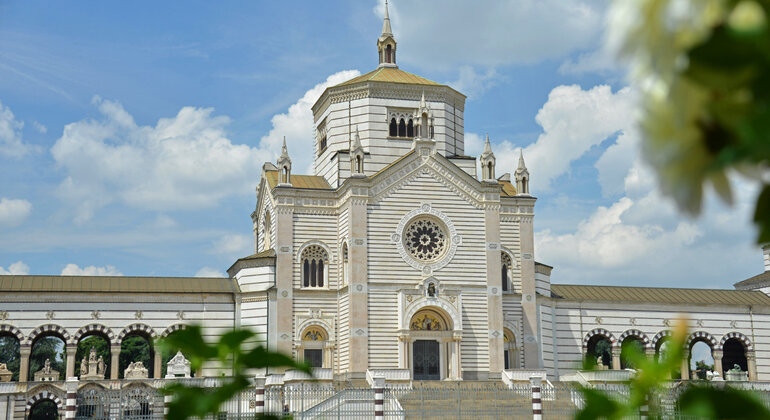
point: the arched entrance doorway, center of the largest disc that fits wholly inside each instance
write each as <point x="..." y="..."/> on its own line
<point x="44" y="410"/>
<point x="510" y="350"/>
<point x="599" y="352"/>
<point x="734" y="354"/>
<point x="430" y="336"/>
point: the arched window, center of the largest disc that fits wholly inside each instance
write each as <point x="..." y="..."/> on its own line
<point x="388" y="53"/>
<point x="410" y="129"/>
<point x="490" y="171"/>
<point x="359" y="168"/>
<point x="344" y="273"/>
<point x="506" y="266"/>
<point x="314" y="265"/>
<point x="266" y="231"/>
<point x="510" y="351"/>
<point x="402" y="128"/>
<point x="313" y="345"/>
<point x="393" y="132"/>
<point x="322" y="145"/>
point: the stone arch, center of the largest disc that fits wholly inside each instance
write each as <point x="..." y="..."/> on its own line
<point x="140" y="328"/>
<point x="172" y="329"/>
<point x="740" y="337"/>
<point x="433" y="319"/>
<point x="513" y="328"/>
<point x="44" y="394"/>
<point x="48" y="329"/>
<point x="701" y="336"/>
<point x="97" y="329"/>
<point x="635" y="333"/>
<point x="10" y="329"/>
<point x="439" y="305"/>
<point x="660" y="336"/>
<point x="323" y="245"/>
<point x="314" y="322"/>
<point x="602" y="332"/>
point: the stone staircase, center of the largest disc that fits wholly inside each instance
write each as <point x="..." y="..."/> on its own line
<point x="464" y="399"/>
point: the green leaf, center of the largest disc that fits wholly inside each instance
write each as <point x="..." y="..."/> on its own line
<point x="598" y="405"/>
<point x="713" y="403"/>
<point x="762" y="215"/>
<point x="190" y="341"/>
<point x="259" y="357"/>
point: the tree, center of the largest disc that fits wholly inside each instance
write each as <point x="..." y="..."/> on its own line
<point x="191" y="401"/>
<point x="703" y="68"/>
<point x="135" y="348"/>
<point x="51" y="348"/>
<point x="101" y="346"/>
<point x="10" y="354"/>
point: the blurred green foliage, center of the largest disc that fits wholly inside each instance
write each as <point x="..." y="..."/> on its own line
<point x="229" y="351"/>
<point x="703" y="68"/>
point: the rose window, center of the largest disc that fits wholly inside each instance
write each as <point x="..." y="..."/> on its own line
<point x="425" y="240"/>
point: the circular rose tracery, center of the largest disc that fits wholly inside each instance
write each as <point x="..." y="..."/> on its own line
<point x="425" y="239"/>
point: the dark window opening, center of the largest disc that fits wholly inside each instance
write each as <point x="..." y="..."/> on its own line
<point x="402" y="128"/>
<point x="393" y="128"/>
<point x="410" y="129"/>
<point x="314" y="357"/>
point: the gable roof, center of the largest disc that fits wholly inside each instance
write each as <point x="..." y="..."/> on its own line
<point x="299" y="181"/>
<point x="760" y="280"/>
<point x="116" y="284"/>
<point x="390" y="75"/>
<point x="508" y="189"/>
<point x="660" y="295"/>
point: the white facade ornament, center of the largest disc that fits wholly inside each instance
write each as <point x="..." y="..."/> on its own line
<point x="92" y="368"/>
<point x="136" y="370"/>
<point x="50" y="314"/>
<point x="96" y="314"/>
<point x="3" y="315"/>
<point x="178" y="366"/>
<point x="46" y="374"/>
<point x="429" y="253"/>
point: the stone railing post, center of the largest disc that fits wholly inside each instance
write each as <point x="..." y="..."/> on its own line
<point x="378" y="383"/>
<point x="24" y="363"/>
<point x="70" y="406"/>
<point x="259" y="384"/>
<point x="537" y="401"/>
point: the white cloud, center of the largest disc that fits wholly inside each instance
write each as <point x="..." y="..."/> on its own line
<point x="91" y="270"/>
<point x="11" y="144"/>
<point x="39" y="127"/>
<point x="183" y="162"/>
<point x="297" y="125"/>
<point x="209" y="272"/>
<point x="14" y="212"/>
<point x="16" y="269"/>
<point x="493" y="33"/>
<point x="233" y="246"/>
<point x="473" y="84"/>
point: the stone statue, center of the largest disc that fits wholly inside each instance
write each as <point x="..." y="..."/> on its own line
<point x="92" y="355"/>
<point x="47" y="366"/>
<point x="5" y="374"/>
<point x="100" y="366"/>
<point x="178" y="366"/>
<point x="83" y="367"/>
<point x="92" y="369"/>
<point x="46" y="373"/>
<point x="136" y="370"/>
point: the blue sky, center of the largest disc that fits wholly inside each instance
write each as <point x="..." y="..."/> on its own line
<point x="132" y="134"/>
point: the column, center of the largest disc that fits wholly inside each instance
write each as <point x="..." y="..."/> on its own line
<point x="717" y="355"/>
<point x="359" y="279"/>
<point x="70" y="369"/>
<point x="530" y="345"/>
<point x="284" y="276"/>
<point x="616" y="357"/>
<point x="751" y="362"/>
<point x="403" y="351"/>
<point x="72" y="397"/>
<point x="537" y="402"/>
<point x="456" y="371"/>
<point x="259" y="403"/>
<point x="156" y="362"/>
<point x="115" y="361"/>
<point x="685" y="367"/>
<point x="378" y="384"/>
<point x="494" y="290"/>
<point x="329" y="355"/>
<point x="24" y="363"/>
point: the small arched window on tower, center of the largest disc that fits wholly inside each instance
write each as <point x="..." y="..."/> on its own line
<point x="410" y="128"/>
<point x="490" y="171"/>
<point x="393" y="132"/>
<point x="315" y="262"/>
<point x="344" y="274"/>
<point x="506" y="268"/>
<point x="359" y="166"/>
<point x="402" y="128"/>
<point x="388" y="54"/>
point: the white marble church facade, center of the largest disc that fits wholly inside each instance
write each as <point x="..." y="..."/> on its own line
<point x="397" y="255"/>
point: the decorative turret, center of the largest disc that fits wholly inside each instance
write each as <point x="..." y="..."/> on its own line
<point x="488" y="163"/>
<point x="424" y="118"/>
<point x="284" y="166"/>
<point x="522" y="176"/>
<point x="356" y="157"/>
<point x="386" y="43"/>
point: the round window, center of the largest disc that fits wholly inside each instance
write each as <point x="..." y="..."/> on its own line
<point x="425" y="239"/>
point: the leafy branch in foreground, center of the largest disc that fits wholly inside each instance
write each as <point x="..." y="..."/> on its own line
<point x="698" y="401"/>
<point x="703" y="70"/>
<point x="192" y="401"/>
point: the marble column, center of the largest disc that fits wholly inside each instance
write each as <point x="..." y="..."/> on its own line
<point x="529" y="307"/>
<point x="24" y="363"/>
<point x="685" y="366"/>
<point x="70" y="369"/>
<point x="494" y="291"/>
<point x="156" y="370"/>
<point x="616" y="358"/>
<point x="115" y="361"/>
<point x="284" y="278"/>
<point x="717" y="355"/>
<point x="358" y="321"/>
<point x="751" y="362"/>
